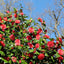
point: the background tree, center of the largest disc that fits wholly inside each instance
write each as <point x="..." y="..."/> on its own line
<point x="9" y="5"/>
<point x="55" y="19"/>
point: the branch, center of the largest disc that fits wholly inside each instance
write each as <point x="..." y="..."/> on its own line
<point x="61" y="3"/>
<point x="57" y="30"/>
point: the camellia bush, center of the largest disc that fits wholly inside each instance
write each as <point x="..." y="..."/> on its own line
<point x="22" y="41"/>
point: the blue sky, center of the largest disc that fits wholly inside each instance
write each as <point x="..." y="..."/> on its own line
<point x="39" y="5"/>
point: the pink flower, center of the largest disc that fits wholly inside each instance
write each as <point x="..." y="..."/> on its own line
<point x="57" y="42"/>
<point x="10" y="20"/>
<point x="30" y="45"/>
<point x="17" y="21"/>
<point x="61" y="52"/>
<point x="46" y="36"/>
<point x="1" y="35"/>
<point x="41" y="56"/>
<point x="17" y="42"/>
<point x="19" y="61"/>
<point x="40" y="19"/>
<point x="7" y="11"/>
<point x="21" y="13"/>
<point x="14" y="59"/>
<point x="39" y="30"/>
<point x="37" y="36"/>
<point x="60" y="40"/>
<point x="0" y="19"/>
<point x="12" y="37"/>
<point x="37" y="45"/>
<point x="10" y="16"/>
<point x="3" y="26"/>
<point x="13" y="31"/>
<point x="5" y="19"/>
<point x="30" y="63"/>
<point x="2" y="43"/>
<point x="15" y="15"/>
<point x="50" y="44"/>
<point x="60" y="58"/>
<point x="28" y="37"/>
<point x="31" y="30"/>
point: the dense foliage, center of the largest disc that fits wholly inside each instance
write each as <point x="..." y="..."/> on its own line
<point x="23" y="42"/>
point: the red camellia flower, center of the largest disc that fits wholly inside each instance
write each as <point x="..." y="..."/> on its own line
<point x="17" y="21"/>
<point x="10" y="20"/>
<point x="2" y="43"/>
<point x="39" y="31"/>
<point x="30" y="45"/>
<point x="21" y="13"/>
<point x="15" y="15"/>
<point x="31" y="30"/>
<point x="1" y="35"/>
<point x="10" y="16"/>
<point x="33" y="34"/>
<point x="59" y="47"/>
<point x="30" y="63"/>
<point x="5" y="19"/>
<point x="13" y="31"/>
<point x="19" y="61"/>
<point x="13" y="23"/>
<point x="14" y="59"/>
<point x="61" y="52"/>
<point x="46" y="36"/>
<point x="40" y="19"/>
<point x="37" y="45"/>
<point x="17" y="42"/>
<point x="0" y="19"/>
<point x="12" y="37"/>
<point x="57" y="42"/>
<point x="42" y="46"/>
<point x="29" y="37"/>
<point x="60" y="58"/>
<point x="3" y="26"/>
<point x="38" y="36"/>
<point x="41" y="56"/>
<point x="60" y="40"/>
<point x="3" y="38"/>
<point x="30" y="55"/>
<point x="46" y="31"/>
<point x="7" y="11"/>
<point x="50" y="44"/>
<point x="7" y="58"/>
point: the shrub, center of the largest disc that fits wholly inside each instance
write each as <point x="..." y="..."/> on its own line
<point x="23" y="42"/>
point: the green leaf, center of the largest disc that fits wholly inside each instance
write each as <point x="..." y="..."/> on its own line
<point x="52" y="57"/>
<point x="57" y="55"/>
<point x="46" y="54"/>
<point x="37" y="52"/>
<point x="24" y="62"/>
<point x="31" y="50"/>
<point x="5" y="61"/>
<point x="40" y="41"/>
<point x="14" y="9"/>
<point x="0" y="47"/>
<point x="63" y="60"/>
<point x="2" y="53"/>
